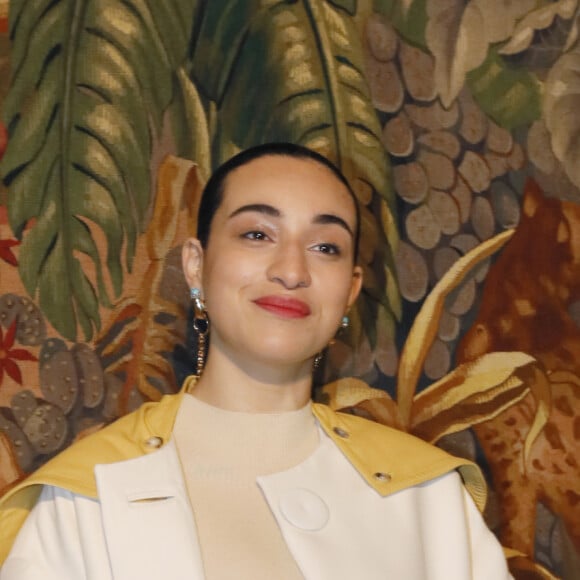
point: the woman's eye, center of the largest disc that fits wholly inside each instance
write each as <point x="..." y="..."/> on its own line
<point x="255" y="235"/>
<point x="332" y="249"/>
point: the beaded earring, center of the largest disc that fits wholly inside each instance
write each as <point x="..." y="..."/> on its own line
<point x="317" y="360"/>
<point x="201" y="327"/>
<point x="344" y="322"/>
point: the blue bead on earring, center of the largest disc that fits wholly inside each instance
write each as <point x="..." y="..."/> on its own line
<point x="195" y="294"/>
<point x="345" y="321"/>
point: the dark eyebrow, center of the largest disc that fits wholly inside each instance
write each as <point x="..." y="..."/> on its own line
<point x="264" y="208"/>
<point x="328" y="218"/>
<point x="257" y="207"/>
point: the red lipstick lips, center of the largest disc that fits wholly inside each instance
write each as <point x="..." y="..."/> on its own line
<point x="283" y="306"/>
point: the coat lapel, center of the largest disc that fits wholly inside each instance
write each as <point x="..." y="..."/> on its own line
<point x="147" y="518"/>
<point x="337" y="526"/>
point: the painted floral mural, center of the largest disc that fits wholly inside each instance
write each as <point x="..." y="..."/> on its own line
<point x="456" y="122"/>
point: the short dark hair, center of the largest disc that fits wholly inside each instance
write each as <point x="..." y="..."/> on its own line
<point x="212" y="195"/>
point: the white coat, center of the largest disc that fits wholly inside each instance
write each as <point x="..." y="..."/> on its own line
<point x="139" y="524"/>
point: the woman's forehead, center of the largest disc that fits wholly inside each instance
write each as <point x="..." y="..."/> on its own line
<point x="285" y="180"/>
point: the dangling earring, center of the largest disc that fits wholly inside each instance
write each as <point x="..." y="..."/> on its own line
<point x="345" y="321"/>
<point x="201" y="327"/>
<point x="318" y="359"/>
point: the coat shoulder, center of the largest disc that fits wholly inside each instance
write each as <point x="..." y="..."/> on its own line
<point x="130" y="436"/>
<point x="404" y="459"/>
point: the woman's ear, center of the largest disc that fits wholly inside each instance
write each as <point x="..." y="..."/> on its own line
<point x="356" y="285"/>
<point x="192" y="261"/>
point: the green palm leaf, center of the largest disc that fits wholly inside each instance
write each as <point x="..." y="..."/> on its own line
<point x="292" y="71"/>
<point x="511" y="96"/>
<point x="91" y="80"/>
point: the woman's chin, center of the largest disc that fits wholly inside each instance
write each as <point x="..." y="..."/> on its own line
<point x="281" y="350"/>
<point x="282" y="360"/>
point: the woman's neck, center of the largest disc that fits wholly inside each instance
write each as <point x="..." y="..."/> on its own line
<point x="255" y="388"/>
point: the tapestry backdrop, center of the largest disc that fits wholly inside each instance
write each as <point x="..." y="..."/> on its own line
<point x="456" y="122"/>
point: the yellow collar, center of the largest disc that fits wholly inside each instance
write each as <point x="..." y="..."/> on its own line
<point x="374" y="450"/>
<point x="388" y="459"/>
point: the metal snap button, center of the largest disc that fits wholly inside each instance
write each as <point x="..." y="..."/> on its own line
<point x="154" y="442"/>
<point x="341" y="432"/>
<point x="382" y="476"/>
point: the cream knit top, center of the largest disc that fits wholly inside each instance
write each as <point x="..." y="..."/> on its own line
<point x="222" y="453"/>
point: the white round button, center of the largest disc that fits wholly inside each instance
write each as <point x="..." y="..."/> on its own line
<point x="304" y="509"/>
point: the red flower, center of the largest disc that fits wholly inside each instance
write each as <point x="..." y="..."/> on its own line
<point x="3" y="131"/>
<point x="8" y="354"/>
<point x="6" y="253"/>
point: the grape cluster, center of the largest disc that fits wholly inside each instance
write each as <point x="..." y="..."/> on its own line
<point x="457" y="176"/>
<point x="77" y="396"/>
<point x="31" y="328"/>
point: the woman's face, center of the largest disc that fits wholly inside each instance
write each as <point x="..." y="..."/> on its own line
<point x="277" y="274"/>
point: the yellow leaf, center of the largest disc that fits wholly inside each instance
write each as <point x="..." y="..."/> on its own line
<point x="564" y="377"/>
<point x="348" y="392"/>
<point x="472" y="393"/>
<point x="137" y="337"/>
<point x="424" y="328"/>
<point x="9" y="469"/>
<point x="475" y="377"/>
<point x="470" y="412"/>
<point x="382" y="411"/>
<point x="353" y="395"/>
<point x="540" y="388"/>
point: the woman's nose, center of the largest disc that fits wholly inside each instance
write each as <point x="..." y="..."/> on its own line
<point x="289" y="267"/>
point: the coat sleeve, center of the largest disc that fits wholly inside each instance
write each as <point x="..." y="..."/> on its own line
<point x="487" y="556"/>
<point x="61" y="538"/>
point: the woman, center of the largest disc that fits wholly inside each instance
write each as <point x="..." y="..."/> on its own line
<point x="240" y="475"/>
